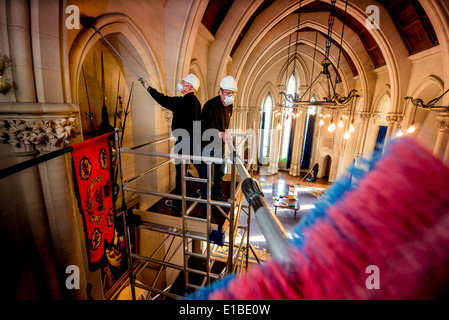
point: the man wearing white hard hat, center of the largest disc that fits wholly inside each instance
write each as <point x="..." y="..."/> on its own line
<point x="216" y="115"/>
<point x="186" y="109"/>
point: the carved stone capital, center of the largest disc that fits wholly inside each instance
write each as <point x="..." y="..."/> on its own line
<point x="237" y="110"/>
<point x="244" y="109"/>
<point x="31" y="135"/>
<point x="443" y="123"/>
<point x="376" y="117"/>
<point x="363" y="115"/>
<point x="393" y="118"/>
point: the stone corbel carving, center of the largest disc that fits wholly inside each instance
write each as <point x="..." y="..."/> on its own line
<point x="31" y="135"/>
<point x="376" y="117"/>
<point x="364" y="115"/>
<point x="443" y="123"/>
<point x="394" y="119"/>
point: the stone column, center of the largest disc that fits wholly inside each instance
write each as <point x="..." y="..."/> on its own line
<point x="242" y="128"/>
<point x="40" y="250"/>
<point x="441" y="149"/>
<point x="295" y="165"/>
<point x="18" y="22"/>
<point x="364" y="117"/>
<point x="62" y="222"/>
<point x="273" y="167"/>
<point x="46" y="191"/>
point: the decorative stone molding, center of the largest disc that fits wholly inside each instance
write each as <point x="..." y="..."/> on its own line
<point x="237" y="110"/>
<point x="252" y="109"/>
<point x="363" y="115"/>
<point x="31" y="135"/>
<point x="443" y="123"/>
<point x="31" y="128"/>
<point x="376" y="117"/>
<point x="394" y="118"/>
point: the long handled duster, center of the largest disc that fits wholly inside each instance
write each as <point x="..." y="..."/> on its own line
<point x="89" y="22"/>
<point x="392" y="220"/>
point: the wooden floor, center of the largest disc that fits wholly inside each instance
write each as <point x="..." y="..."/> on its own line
<point x="285" y="178"/>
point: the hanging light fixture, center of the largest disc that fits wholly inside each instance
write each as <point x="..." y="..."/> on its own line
<point x="333" y="100"/>
<point x="418" y="103"/>
<point x="340" y="123"/>
<point x="332" y="126"/>
<point x="351" y="127"/>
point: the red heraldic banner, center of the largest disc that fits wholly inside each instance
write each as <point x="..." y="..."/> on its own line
<point x="91" y="164"/>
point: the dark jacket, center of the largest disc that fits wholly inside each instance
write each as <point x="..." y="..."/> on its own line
<point x="215" y="115"/>
<point x="185" y="109"/>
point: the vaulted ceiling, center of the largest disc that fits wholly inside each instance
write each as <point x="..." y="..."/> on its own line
<point x="409" y="18"/>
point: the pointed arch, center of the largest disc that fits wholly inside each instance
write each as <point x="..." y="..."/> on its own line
<point x="202" y="92"/>
<point x="109" y="24"/>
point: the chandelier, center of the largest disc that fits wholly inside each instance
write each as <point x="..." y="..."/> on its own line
<point x="334" y="103"/>
<point x="430" y="106"/>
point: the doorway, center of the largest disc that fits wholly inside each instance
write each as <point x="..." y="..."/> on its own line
<point x="327" y="167"/>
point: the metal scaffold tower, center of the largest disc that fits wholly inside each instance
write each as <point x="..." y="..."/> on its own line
<point x="192" y="230"/>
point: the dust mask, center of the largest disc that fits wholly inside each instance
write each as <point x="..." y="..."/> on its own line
<point x="228" y="100"/>
<point x="179" y="87"/>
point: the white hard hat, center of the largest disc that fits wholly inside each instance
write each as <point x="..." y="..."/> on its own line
<point x="193" y="80"/>
<point x="228" y="83"/>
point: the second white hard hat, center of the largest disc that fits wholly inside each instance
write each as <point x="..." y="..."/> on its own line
<point x="228" y="83"/>
<point x="193" y="80"/>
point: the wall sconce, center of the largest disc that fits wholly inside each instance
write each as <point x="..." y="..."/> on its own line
<point x="418" y="103"/>
<point x="412" y="127"/>
<point x="4" y="85"/>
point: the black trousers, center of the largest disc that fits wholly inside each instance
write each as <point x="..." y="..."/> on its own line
<point x="217" y="174"/>
<point x="178" y="180"/>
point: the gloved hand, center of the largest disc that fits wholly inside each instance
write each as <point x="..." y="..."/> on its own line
<point x="225" y="136"/>
<point x="144" y="83"/>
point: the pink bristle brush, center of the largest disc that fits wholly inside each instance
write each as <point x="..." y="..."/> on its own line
<point x="395" y="218"/>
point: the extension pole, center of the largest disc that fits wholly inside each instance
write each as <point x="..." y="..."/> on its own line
<point x="272" y="229"/>
<point x="88" y="22"/>
<point x="138" y="77"/>
<point x="305" y="176"/>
